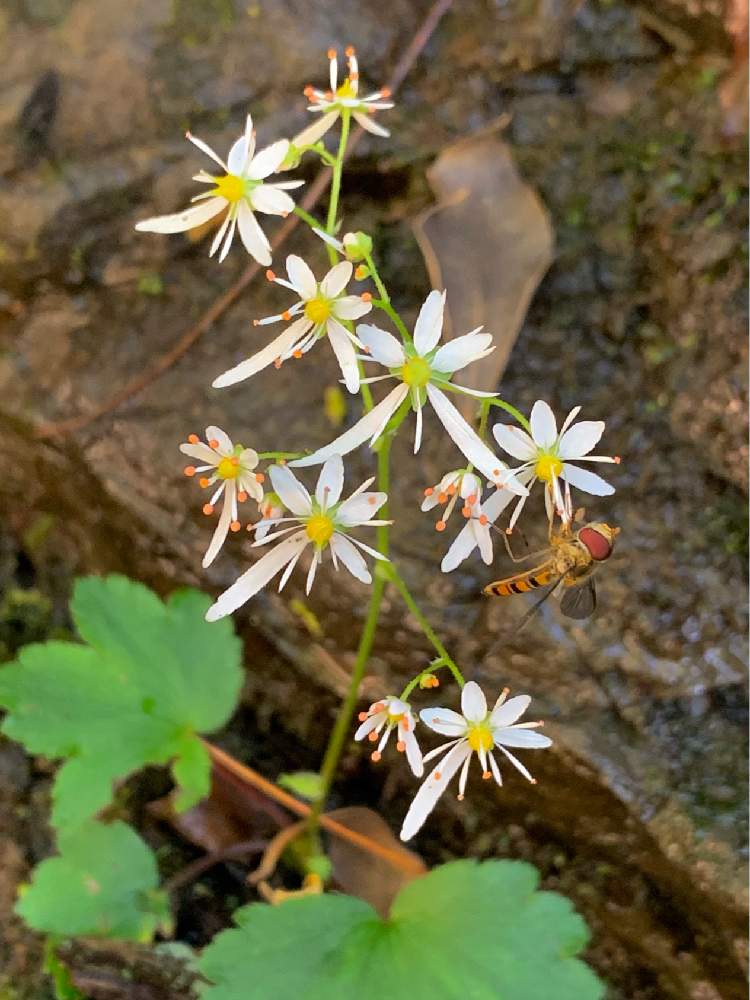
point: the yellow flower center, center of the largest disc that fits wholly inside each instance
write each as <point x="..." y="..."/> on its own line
<point x="548" y="466"/>
<point x="319" y="529"/>
<point x="395" y="717"/>
<point x="318" y="310"/>
<point x="416" y="373"/>
<point x="230" y="187"/>
<point x="346" y="89"/>
<point x="228" y="468"/>
<point x="480" y="737"/>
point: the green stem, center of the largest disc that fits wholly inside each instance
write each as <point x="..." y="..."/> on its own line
<point x="509" y="408"/>
<point x="281" y="454"/>
<point x="384" y="302"/>
<point x="432" y="669"/>
<point x="312" y="222"/>
<point x="333" y="203"/>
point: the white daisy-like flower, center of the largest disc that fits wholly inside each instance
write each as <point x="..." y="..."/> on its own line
<point x="422" y="370"/>
<point x="474" y="731"/>
<point x="459" y="484"/>
<point x="240" y="191"/>
<point x="476" y="533"/>
<point x="318" y="312"/>
<point x="320" y="521"/>
<point x="384" y="716"/>
<point x="232" y="467"/>
<point x="546" y="454"/>
<point x="329" y="104"/>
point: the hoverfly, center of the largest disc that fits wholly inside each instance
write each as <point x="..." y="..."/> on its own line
<point x="571" y="560"/>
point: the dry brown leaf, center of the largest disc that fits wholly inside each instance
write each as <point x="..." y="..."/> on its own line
<point x="488" y="241"/>
<point x="366" y="875"/>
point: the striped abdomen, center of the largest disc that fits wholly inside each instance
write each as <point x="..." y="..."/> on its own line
<point x="522" y="583"/>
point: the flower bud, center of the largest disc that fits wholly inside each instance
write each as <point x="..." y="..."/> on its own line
<point x="357" y="246"/>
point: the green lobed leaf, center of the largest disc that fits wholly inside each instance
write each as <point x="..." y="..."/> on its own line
<point x="103" y="883"/>
<point x="465" y="931"/>
<point x="151" y="678"/>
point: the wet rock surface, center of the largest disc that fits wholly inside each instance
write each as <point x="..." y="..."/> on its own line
<point x="639" y="813"/>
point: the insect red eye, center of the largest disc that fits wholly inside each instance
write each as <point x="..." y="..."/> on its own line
<point x="596" y="542"/>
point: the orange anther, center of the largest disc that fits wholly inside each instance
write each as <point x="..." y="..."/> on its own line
<point x="451" y="489"/>
<point x="277" y="363"/>
<point x="429" y="491"/>
<point x="256" y="322"/>
<point x="350" y="51"/>
<point x="440" y="526"/>
<point x="495" y="472"/>
<point x="373" y="736"/>
<point x="235" y="526"/>
<point x="372" y="500"/>
<point x="405" y="724"/>
<point x="471" y="500"/>
<point x="189" y="470"/>
<point x="260" y="478"/>
<point x="297" y="354"/>
<point x="617" y="459"/>
<point x="486" y="775"/>
<point x="442" y="497"/>
<point x="213" y="443"/>
<point x="242" y="496"/>
<point x="250" y="527"/>
<point x="204" y="482"/>
<point x="309" y="90"/>
<point x="234" y="460"/>
<point x="401" y="746"/>
<point x="385" y="92"/>
<point x="360" y="272"/>
<point x="366" y="350"/>
<point x="366" y="296"/>
<point x="483" y="519"/>
<point x="286" y="315"/>
<point x="270" y="275"/>
<point x="438" y="775"/>
<point x="208" y="509"/>
<point x="362" y="716"/>
<point x="329" y="95"/>
<point x="331" y="53"/>
<point x="375" y="756"/>
<point x="193" y="438"/>
<point x="460" y="797"/>
<point x="466" y="511"/>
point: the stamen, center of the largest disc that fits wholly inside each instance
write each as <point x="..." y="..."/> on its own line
<point x="533" y="781"/>
<point x="385" y="92"/>
<point x="193" y="439"/>
<point x="460" y="797"/>
<point x="189" y="470"/>
<point x="331" y="53"/>
<point x="438" y="775"/>
<point x="451" y="489"/>
<point x="234" y="460"/>
<point x="466" y="511"/>
<point x="242" y="496"/>
<point x="471" y="500"/>
<point x="483" y="519"/>
<point x="440" y="526"/>
<point x="297" y="354"/>
<point x="366" y="296"/>
<point x="401" y="746"/>
<point x="486" y="775"/>
<point x="208" y="509"/>
<point x="309" y="91"/>
<point x="375" y="756"/>
<point x="235" y="526"/>
<point x="277" y="363"/>
<point x="429" y="491"/>
<point x="442" y="498"/>
<point x="204" y="482"/>
<point x="350" y="51"/>
<point x="270" y="275"/>
<point x="256" y="322"/>
<point x="360" y="273"/>
<point x="362" y="716"/>
<point x="371" y="501"/>
<point x="286" y="315"/>
<point x="260" y="478"/>
<point x="372" y="736"/>
<point x="617" y="459"/>
<point x="213" y="443"/>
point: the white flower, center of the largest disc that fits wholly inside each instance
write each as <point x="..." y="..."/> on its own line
<point x="331" y="103"/>
<point x="453" y="485"/>
<point x="388" y="714"/>
<point x="317" y="313"/>
<point x="240" y="190"/>
<point x="232" y="466"/>
<point x="475" y="731"/>
<point x="476" y="533"/>
<point x="546" y="455"/>
<point x="320" y="521"/>
<point x="421" y="369"/>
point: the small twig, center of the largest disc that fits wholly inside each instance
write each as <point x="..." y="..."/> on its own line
<point x="246" y="774"/>
<point x="220" y="305"/>
<point x="196" y="868"/>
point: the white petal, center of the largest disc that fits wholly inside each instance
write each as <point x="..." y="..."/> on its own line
<point x="271" y="200"/>
<point x="263" y="358"/>
<point x="180" y="222"/>
<point x="359" y="509"/>
<point x="351" y="307"/>
<point x="205" y="148"/>
<point x="429" y="323"/>
<point x="330" y="482"/>
<point x="350" y="557"/>
<point x="383" y="347"/>
<point x="484" y="541"/>
<point x="515" y="441"/>
<point x="543" y="424"/>
<point x="253" y="238"/>
<point x="371" y="423"/>
<point x="473" y="702"/>
<point x="222" y="528"/>
<point x="418" y="430"/>
<point x="413" y="753"/>
<point x="257" y="577"/>
<point x="370" y="723"/>
<point x="201" y="452"/>
<point x="465" y="439"/>
<point x="345" y="353"/>
<point x="587" y="481"/>
<point x="516" y="763"/>
<point x="461" y="548"/>
<point x="230" y="235"/>
<point x="367" y="122"/>
<point x="580" y="439"/>
<point x="310" y="135"/>
<point x="268" y="160"/>
<point x="290" y="490"/>
<point x="336" y="280"/>
<point x="432" y="788"/>
<point x="521" y="738"/>
<point x="444" y="721"/>
<point x="316" y="559"/>
<point x="301" y="276"/>
<point x="461" y="351"/>
<point x="569" y="419"/>
<point x="238" y="154"/>
<point x="508" y="712"/>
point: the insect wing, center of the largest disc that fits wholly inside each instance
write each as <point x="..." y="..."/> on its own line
<point x="579" y="602"/>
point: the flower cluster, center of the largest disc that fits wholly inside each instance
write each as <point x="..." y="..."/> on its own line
<point x="418" y="367"/>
